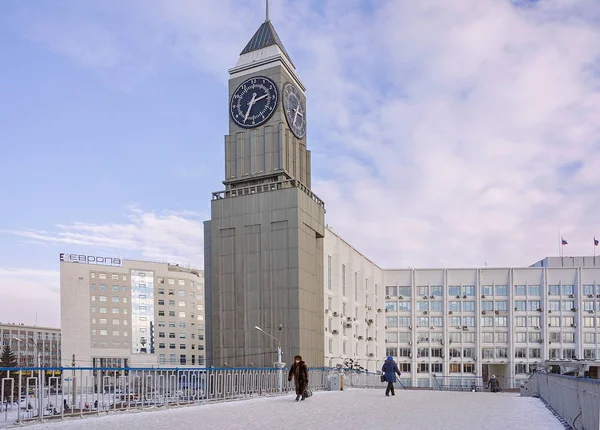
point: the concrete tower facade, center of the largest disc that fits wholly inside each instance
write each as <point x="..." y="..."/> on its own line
<point x="264" y="242"/>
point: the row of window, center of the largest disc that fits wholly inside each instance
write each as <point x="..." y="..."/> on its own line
<point x="162" y="359"/>
<point x="103" y="310"/>
<point x="489" y="305"/>
<point x="113" y="288"/>
<point x="181" y="335"/>
<point x="488" y="321"/>
<point x="180" y="293"/>
<point x="114" y="299"/>
<point x="162" y="345"/>
<point x="490" y="290"/>
<point x="488" y="337"/>
<point x="116" y="277"/>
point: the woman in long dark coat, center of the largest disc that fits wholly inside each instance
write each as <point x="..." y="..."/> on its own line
<point x="299" y="371"/>
<point x="493" y="384"/>
<point x="390" y="369"/>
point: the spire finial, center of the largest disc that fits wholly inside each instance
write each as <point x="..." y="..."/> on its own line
<point x="267" y="2"/>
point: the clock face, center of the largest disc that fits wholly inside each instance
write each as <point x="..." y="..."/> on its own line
<point x="253" y="102"/>
<point x="295" y="113"/>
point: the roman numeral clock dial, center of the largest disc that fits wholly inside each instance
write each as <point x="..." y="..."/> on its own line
<point x="295" y="113"/>
<point x="254" y="102"/>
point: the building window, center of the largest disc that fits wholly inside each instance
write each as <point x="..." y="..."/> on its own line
<point x="454" y="367"/>
<point x="520" y="290"/>
<point x="329" y="272"/>
<point x="344" y="280"/>
<point x="520" y="369"/>
<point x="520" y="353"/>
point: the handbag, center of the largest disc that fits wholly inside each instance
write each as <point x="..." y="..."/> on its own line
<point x="382" y="378"/>
<point x="307" y="393"/>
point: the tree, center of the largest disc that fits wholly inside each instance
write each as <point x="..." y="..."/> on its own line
<point x="8" y="359"/>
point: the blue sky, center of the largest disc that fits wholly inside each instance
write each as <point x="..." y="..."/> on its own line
<point x="452" y="134"/>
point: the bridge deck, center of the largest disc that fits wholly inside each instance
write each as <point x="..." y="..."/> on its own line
<point x="350" y="409"/>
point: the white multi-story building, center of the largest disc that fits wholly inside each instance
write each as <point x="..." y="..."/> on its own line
<point x="460" y="322"/>
<point x="127" y="313"/>
<point x="27" y="341"/>
<point x="354" y="306"/>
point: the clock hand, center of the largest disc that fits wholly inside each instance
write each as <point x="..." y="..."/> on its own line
<point x="250" y="104"/>
<point x="295" y="115"/>
<point x="261" y="97"/>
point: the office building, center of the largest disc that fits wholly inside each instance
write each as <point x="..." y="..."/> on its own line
<point x="127" y="313"/>
<point x="27" y="341"/>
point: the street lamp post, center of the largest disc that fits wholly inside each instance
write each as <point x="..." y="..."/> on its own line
<point x="279" y="365"/>
<point x="40" y="393"/>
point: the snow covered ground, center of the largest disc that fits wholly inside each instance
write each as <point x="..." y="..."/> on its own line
<point x="350" y="409"/>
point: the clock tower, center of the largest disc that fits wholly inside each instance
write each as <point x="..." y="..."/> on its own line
<point x="264" y="242"/>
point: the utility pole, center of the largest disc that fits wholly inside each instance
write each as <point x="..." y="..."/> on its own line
<point x="74" y="385"/>
<point x="278" y="364"/>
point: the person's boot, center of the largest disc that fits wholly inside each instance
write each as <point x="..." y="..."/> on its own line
<point x="298" y="397"/>
<point x="302" y="398"/>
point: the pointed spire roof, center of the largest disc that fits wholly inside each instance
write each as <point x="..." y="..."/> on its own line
<point x="265" y="36"/>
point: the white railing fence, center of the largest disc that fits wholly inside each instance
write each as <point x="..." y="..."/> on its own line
<point x="576" y="400"/>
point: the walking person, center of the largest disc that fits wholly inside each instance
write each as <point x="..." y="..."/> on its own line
<point x="493" y="384"/>
<point x="389" y="369"/>
<point x="299" y="371"/>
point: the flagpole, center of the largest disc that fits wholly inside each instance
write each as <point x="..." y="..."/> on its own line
<point x="559" y="243"/>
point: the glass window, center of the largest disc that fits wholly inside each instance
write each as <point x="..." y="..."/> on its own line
<point x="520" y="305"/>
<point x="554" y="305"/>
<point x="487" y="337"/>
<point x="487" y="321"/>
<point x="469" y="290"/>
<point x="568" y="305"/>
<point x="469" y="321"/>
<point x="501" y="290"/>
<point x="520" y="290"/>
<point x="436" y="290"/>
<point x="534" y="305"/>
<point x="391" y="321"/>
<point x="520" y="337"/>
<point x="436" y="321"/>
<point x="487" y="305"/>
<point x="115" y="299"/>
<point x="520" y="322"/>
<point x="454" y="306"/>
<point x="534" y="290"/>
<point x="391" y="291"/>
<point x="404" y="306"/>
<point x="501" y="305"/>
<point x="501" y="322"/>
<point x="568" y="290"/>
<point x="423" y="291"/>
<point x="404" y="291"/>
<point x="533" y="321"/>
<point x="468" y="306"/>
<point x="487" y="290"/>
<point x="554" y="321"/>
<point x="454" y="290"/>
<point x="588" y="290"/>
<point x="404" y="321"/>
<point x="423" y="306"/>
<point x="553" y="290"/>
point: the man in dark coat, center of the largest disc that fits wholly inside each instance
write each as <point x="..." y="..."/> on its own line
<point x="389" y="369"/>
<point x="493" y="384"/>
<point x="299" y="371"/>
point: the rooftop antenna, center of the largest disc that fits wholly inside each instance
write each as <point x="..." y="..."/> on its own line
<point x="267" y="3"/>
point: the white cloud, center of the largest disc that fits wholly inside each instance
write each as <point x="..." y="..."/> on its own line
<point x="171" y="236"/>
<point x="441" y="130"/>
<point x="29" y="296"/>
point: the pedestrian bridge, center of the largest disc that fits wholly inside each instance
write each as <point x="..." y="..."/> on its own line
<point x="238" y="398"/>
<point x="353" y="408"/>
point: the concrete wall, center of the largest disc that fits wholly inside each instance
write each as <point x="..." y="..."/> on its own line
<point x="266" y="270"/>
<point x="576" y="400"/>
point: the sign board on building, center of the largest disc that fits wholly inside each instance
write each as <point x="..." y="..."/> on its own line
<point x="90" y="259"/>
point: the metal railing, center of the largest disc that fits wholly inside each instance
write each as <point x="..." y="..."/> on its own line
<point x="83" y="391"/>
<point x="576" y="400"/>
<point x="459" y="383"/>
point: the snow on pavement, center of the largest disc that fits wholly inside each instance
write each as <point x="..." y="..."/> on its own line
<point x="350" y="409"/>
